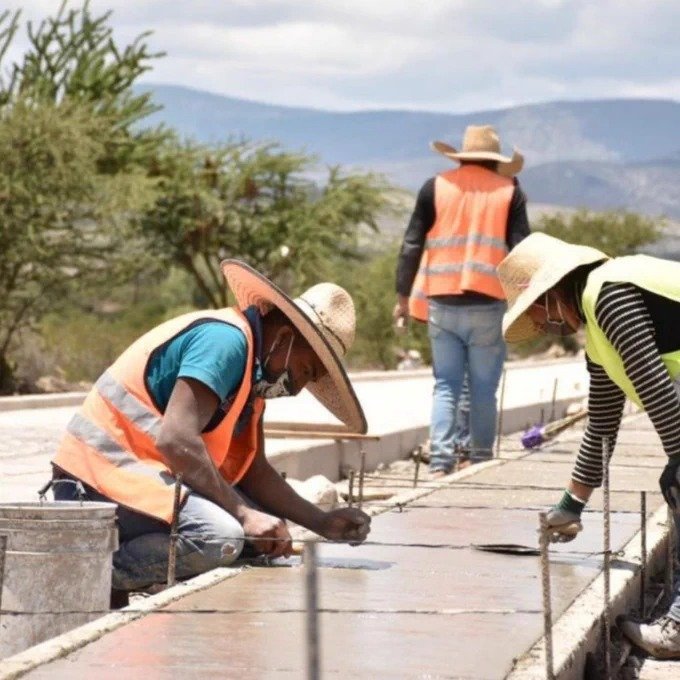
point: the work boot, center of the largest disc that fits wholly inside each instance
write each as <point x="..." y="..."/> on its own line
<point x="660" y="638"/>
<point x="119" y="599"/>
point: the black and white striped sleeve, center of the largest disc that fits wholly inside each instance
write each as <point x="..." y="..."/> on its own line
<point x="623" y="316"/>
<point x="605" y="408"/>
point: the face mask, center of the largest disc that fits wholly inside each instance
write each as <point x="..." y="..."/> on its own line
<point x="283" y="385"/>
<point x="559" y="326"/>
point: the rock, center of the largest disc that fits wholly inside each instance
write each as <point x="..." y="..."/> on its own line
<point x="318" y="490"/>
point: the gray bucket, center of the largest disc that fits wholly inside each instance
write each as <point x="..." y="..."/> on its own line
<point x="57" y="569"/>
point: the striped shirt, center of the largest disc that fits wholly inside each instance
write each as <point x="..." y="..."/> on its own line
<point x="623" y="316"/>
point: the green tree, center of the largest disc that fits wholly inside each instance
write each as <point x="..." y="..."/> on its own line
<point x="73" y="165"/>
<point x="615" y="233"/>
<point x="255" y="203"/>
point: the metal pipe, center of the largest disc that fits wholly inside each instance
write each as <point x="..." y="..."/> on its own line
<point x="643" y="551"/>
<point x="547" y="603"/>
<point x="172" y="546"/>
<point x="606" y="628"/>
<point x="350" y="490"/>
<point x="501" y="406"/>
<point x="362" y="472"/>
<point x="311" y="593"/>
<point x="417" y="458"/>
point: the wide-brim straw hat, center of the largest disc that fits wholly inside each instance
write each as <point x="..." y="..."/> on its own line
<point x="532" y="268"/>
<point x="324" y="315"/>
<point x="481" y="143"/>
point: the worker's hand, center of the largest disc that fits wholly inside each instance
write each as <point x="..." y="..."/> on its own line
<point x="563" y="525"/>
<point x="401" y="308"/>
<point x="268" y="534"/>
<point x="346" y="524"/>
<point x="669" y="482"/>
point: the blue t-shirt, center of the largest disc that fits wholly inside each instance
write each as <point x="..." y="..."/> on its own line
<point x="212" y="352"/>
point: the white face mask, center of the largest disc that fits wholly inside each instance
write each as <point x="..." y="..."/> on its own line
<point x="283" y="385"/>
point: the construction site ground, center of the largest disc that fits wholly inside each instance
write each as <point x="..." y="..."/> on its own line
<point x="418" y="600"/>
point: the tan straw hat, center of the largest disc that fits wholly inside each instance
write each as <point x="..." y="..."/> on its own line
<point x="324" y="315"/>
<point x="533" y="267"/>
<point x="481" y="143"/>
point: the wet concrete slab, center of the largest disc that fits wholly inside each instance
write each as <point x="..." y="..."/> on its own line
<point x="394" y="611"/>
<point x="431" y="607"/>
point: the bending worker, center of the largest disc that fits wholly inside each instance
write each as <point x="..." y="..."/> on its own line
<point x="188" y="398"/>
<point x="629" y="308"/>
<point x="464" y="223"/>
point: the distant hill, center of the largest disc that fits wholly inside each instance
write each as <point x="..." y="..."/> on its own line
<point x="598" y="154"/>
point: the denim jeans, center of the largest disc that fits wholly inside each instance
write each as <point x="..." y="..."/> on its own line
<point x="209" y="537"/>
<point x="464" y="339"/>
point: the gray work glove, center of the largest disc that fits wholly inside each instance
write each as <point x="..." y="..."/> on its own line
<point x="563" y="525"/>
<point x="564" y="519"/>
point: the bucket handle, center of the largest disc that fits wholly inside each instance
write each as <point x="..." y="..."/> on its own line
<point x="80" y="489"/>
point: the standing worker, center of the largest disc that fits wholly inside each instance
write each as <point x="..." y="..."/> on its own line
<point x="464" y="223"/>
<point x="629" y="308"/>
<point x="188" y="398"/>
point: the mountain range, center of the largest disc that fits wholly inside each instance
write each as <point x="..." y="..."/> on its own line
<point x="599" y="154"/>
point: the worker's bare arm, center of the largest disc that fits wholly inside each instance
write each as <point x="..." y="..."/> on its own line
<point x="270" y="491"/>
<point x="189" y="410"/>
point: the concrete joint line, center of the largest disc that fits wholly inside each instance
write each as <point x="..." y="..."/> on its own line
<point x="55" y="648"/>
<point x="579" y="629"/>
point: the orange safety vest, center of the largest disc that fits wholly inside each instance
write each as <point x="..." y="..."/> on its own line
<point x="468" y="237"/>
<point x="110" y="443"/>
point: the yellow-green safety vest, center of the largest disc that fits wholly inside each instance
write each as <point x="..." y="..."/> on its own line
<point x="649" y="273"/>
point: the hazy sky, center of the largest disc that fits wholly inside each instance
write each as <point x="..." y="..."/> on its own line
<point x="444" y="55"/>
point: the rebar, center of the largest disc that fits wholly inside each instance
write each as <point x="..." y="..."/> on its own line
<point x="553" y="400"/>
<point x="670" y="556"/>
<point x="606" y="572"/>
<point x="350" y="489"/>
<point x="547" y="603"/>
<point x="501" y="406"/>
<point x="311" y="593"/>
<point x="643" y="551"/>
<point x="3" y="552"/>
<point x="417" y="458"/>
<point x="172" y="545"/>
<point x="362" y="472"/>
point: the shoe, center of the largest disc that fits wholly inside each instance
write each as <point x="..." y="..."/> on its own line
<point x="438" y="474"/>
<point x="119" y="599"/>
<point x="660" y="638"/>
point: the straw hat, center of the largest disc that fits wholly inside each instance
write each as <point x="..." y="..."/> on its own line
<point x="324" y="315"/>
<point x="533" y="267"/>
<point x="481" y="143"/>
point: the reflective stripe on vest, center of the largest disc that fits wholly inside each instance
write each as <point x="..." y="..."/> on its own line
<point x="111" y="443"/>
<point x="649" y="273"/>
<point x="468" y="238"/>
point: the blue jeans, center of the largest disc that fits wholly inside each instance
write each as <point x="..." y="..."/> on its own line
<point x="461" y="437"/>
<point x="464" y="339"/>
<point x="209" y="537"/>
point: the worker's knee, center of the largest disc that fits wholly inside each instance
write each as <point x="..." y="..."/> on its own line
<point x="216" y="536"/>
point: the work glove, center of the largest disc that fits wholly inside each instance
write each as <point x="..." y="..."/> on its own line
<point x="564" y="519"/>
<point x="669" y="482"/>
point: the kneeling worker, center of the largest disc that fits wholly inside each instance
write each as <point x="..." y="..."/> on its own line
<point x="188" y="398"/>
<point x="628" y="307"/>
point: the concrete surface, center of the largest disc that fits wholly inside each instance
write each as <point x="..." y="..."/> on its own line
<point x="392" y="611"/>
<point x="660" y="670"/>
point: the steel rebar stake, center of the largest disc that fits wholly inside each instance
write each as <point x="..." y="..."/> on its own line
<point x="362" y="473"/>
<point x="670" y="556"/>
<point x="417" y="458"/>
<point x="311" y="594"/>
<point x="553" y="401"/>
<point x="547" y="603"/>
<point x="3" y="552"/>
<point x="501" y="406"/>
<point x="606" y="628"/>
<point x="350" y="489"/>
<point x="172" y="545"/>
<point x="643" y="551"/>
